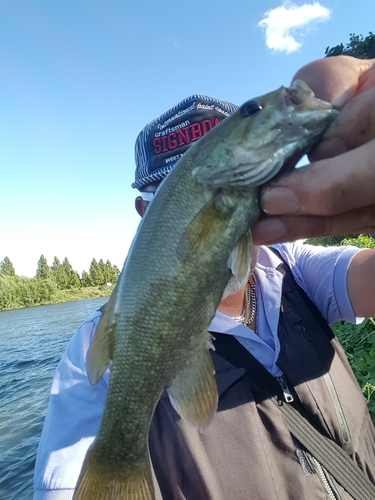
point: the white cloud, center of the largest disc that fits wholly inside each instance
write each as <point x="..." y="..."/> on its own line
<point x="282" y="24"/>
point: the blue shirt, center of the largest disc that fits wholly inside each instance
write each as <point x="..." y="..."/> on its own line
<point x="75" y="407"/>
<point x="321" y="272"/>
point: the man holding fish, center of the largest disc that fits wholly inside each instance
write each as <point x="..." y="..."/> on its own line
<point x="229" y="436"/>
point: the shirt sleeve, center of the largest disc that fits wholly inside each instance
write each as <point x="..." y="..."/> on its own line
<point x="322" y="273"/>
<point x="73" y="417"/>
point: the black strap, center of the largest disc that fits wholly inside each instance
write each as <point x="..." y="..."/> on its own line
<point x="290" y="282"/>
<point x="327" y="452"/>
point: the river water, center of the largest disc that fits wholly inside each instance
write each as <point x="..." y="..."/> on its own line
<point x="32" y="342"/>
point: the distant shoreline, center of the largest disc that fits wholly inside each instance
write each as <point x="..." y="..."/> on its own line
<point x="72" y="295"/>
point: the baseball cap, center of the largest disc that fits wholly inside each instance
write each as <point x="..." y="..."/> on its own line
<point x="164" y="140"/>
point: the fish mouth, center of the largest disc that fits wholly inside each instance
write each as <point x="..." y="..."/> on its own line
<point x="301" y="96"/>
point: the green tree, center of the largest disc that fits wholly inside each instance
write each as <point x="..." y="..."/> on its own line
<point x="360" y="241"/>
<point x="328" y="241"/>
<point x="19" y="291"/>
<point x="59" y="273"/>
<point x="44" y="290"/>
<point x="96" y="273"/>
<point x="358" y="46"/>
<point x="112" y="272"/>
<point x="105" y="274"/>
<point x="6" y="267"/>
<point x="73" y="280"/>
<point x="86" y="279"/>
<point x="116" y="271"/>
<point x="8" y="291"/>
<point x="108" y="272"/>
<point x="43" y="270"/>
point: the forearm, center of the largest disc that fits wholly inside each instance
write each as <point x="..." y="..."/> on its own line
<point x="361" y="283"/>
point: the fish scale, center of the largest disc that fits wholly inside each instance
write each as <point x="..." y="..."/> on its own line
<point x="195" y="234"/>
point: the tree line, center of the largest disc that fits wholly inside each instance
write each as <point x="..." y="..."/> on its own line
<point x="20" y="291"/>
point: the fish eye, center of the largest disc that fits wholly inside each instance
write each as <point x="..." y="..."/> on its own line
<point x="250" y="108"/>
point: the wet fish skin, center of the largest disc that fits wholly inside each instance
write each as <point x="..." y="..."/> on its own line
<point x="195" y="233"/>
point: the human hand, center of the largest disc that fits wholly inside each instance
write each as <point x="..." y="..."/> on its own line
<point x="335" y="194"/>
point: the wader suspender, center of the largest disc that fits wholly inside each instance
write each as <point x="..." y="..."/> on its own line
<point x="336" y="461"/>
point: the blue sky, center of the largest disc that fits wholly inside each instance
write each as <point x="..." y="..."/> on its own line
<point x="80" y="78"/>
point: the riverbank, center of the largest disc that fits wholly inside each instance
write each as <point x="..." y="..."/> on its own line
<point x="90" y="292"/>
<point x="71" y="295"/>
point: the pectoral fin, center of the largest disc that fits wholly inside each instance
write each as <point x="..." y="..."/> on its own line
<point x="100" y="352"/>
<point x="193" y="393"/>
<point x="205" y="229"/>
<point x="239" y="260"/>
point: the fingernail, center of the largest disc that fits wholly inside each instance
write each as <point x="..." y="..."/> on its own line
<point x="278" y="200"/>
<point x="268" y="230"/>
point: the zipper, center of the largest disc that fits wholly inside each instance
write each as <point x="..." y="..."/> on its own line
<point x="288" y="397"/>
<point x="345" y="433"/>
<point x="343" y="425"/>
<point x="310" y="465"/>
<point x="324" y="476"/>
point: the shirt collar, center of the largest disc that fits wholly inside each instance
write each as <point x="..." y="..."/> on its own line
<point x="267" y="258"/>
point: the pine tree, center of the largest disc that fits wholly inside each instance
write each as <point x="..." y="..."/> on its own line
<point x="116" y="272"/>
<point x="103" y="272"/>
<point x="72" y="276"/>
<point x="86" y="279"/>
<point x="59" y="273"/>
<point x="43" y="270"/>
<point x="112" y="272"/>
<point x="96" y="274"/>
<point x="6" y="267"/>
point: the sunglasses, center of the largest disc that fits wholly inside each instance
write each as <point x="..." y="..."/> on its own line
<point x="150" y="190"/>
<point x="147" y="195"/>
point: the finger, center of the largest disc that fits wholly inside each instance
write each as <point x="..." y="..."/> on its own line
<point x="334" y="79"/>
<point x="367" y="79"/>
<point x="269" y="229"/>
<point x="354" y="126"/>
<point x="327" y="187"/>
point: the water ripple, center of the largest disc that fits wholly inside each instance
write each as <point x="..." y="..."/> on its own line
<point x="32" y="342"/>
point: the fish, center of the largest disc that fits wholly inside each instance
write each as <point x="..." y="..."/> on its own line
<point x="195" y="235"/>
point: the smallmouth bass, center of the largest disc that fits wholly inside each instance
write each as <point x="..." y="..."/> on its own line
<point x="194" y="235"/>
